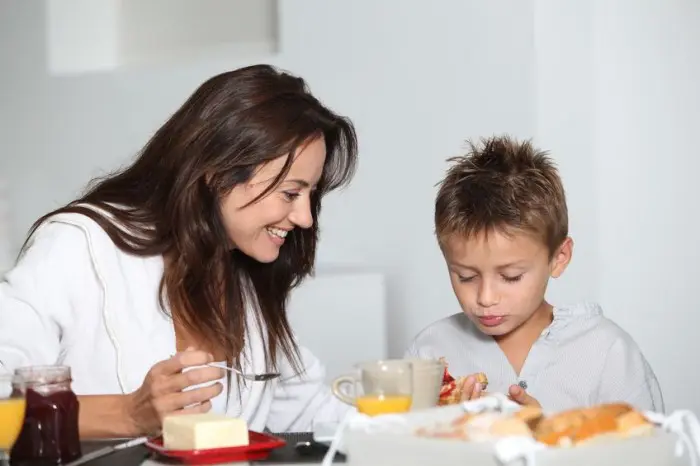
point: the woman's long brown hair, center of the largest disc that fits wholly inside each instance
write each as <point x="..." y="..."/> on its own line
<point x="167" y="202"/>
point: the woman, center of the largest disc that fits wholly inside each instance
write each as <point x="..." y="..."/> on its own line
<point x="186" y="257"/>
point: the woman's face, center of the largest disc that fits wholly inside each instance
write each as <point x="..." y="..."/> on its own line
<point x="259" y="230"/>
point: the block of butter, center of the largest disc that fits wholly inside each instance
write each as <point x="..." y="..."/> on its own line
<point x="203" y="431"/>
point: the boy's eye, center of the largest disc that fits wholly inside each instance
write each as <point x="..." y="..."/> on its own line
<point x="512" y="279"/>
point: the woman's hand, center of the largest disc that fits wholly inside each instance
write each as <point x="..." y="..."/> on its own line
<point x="520" y="396"/>
<point x="162" y="392"/>
<point x="472" y="389"/>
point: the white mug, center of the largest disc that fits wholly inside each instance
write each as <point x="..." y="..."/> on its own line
<point x="427" y="375"/>
<point x="427" y="382"/>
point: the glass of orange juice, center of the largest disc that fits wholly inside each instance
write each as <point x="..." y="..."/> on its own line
<point x="379" y="387"/>
<point x="12" y="408"/>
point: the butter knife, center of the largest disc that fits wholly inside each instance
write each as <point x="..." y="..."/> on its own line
<point x="108" y="451"/>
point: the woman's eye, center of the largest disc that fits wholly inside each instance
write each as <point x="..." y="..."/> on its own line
<point x="465" y="279"/>
<point x="512" y="279"/>
<point x="290" y="195"/>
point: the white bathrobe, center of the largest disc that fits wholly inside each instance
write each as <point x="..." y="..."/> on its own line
<point x="74" y="298"/>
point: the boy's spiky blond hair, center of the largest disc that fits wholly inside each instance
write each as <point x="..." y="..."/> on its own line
<point x="503" y="185"/>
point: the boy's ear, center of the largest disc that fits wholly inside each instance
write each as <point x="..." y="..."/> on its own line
<point x="561" y="258"/>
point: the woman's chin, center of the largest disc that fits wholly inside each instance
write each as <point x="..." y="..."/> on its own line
<point x="263" y="255"/>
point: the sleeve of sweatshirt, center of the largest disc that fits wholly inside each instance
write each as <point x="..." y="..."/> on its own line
<point x="37" y="296"/>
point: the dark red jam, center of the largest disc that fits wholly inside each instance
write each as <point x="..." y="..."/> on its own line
<point x="50" y="432"/>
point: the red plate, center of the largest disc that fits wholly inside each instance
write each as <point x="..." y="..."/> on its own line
<point x="259" y="448"/>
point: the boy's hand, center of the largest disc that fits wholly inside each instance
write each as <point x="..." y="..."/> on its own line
<point x="471" y="388"/>
<point x="520" y="396"/>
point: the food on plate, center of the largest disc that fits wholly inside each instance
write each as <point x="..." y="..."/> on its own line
<point x="451" y="390"/>
<point x="203" y="431"/>
<point x="568" y="428"/>
<point x="579" y="425"/>
<point x="487" y="425"/>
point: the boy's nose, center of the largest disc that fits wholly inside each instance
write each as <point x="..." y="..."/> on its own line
<point x="487" y="296"/>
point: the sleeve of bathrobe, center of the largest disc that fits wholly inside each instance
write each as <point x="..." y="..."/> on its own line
<point x="302" y="399"/>
<point x="628" y="377"/>
<point x="36" y="296"/>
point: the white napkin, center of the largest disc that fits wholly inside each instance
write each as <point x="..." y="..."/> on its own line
<point x="398" y="424"/>
<point x="387" y="423"/>
<point x="682" y="423"/>
<point x="685" y="424"/>
<point x="510" y="448"/>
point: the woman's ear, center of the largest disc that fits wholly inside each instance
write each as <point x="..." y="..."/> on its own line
<point x="561" y="258"/>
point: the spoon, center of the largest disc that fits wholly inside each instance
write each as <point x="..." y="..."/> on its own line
<point x="252" y="377"/>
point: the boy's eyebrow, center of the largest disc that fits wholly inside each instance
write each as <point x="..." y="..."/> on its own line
<point x="516" y="264"/>
<point x="462" y="266"/>
<point x="510" y="265"/>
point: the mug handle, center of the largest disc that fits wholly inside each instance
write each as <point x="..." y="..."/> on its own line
<point x="336" y="389"/>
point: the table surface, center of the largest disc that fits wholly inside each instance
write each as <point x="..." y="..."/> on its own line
<point x="287" y="455"/>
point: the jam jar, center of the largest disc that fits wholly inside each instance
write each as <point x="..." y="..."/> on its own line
<point x="49" y="435"/>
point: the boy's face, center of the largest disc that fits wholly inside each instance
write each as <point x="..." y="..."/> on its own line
<point x="499" y="279"/>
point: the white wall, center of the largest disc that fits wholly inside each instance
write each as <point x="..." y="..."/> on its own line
<point x="647" y="87"/>
<point x="564" y="111"/>
<point x="618" y="101"/>
<point x="353" y="297"/>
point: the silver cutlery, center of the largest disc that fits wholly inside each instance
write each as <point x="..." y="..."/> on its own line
<point x="108" y="451"/>
<point x="264" y="377"/>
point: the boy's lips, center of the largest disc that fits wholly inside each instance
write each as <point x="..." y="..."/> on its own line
<point x="491" y="321"/>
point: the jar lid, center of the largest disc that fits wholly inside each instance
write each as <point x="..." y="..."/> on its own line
<point x="44" y="374"/>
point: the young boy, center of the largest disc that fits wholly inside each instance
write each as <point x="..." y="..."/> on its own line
<point x="502" y="224"/>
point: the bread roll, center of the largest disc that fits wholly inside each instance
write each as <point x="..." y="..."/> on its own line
<point x="530" y="415"/>
<point x="576" y="426"/>
<point x="487" y="426"/>
<point x="569" y="428"/>
<point x="633" y="423"/>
